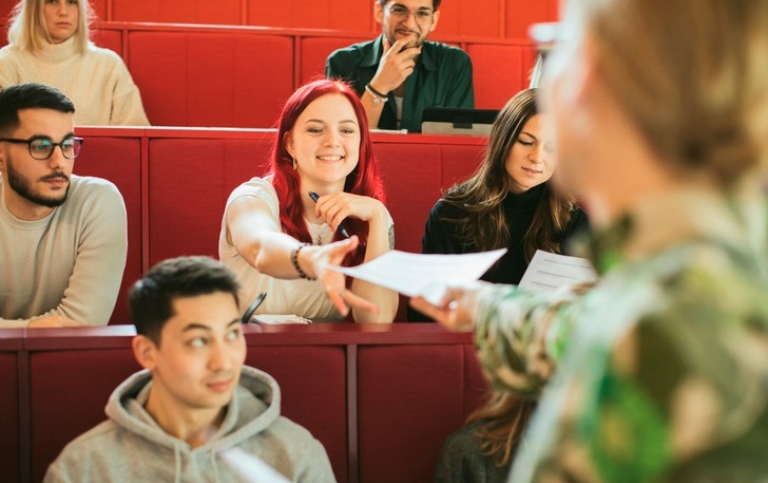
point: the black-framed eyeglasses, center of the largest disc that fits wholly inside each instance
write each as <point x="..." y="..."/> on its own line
<point x="41" y="148"/>
<point x="252" y="308"/>
<point x="401" y="13"/>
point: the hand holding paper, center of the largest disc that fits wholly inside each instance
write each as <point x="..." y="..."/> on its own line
<point x="428" y="275"/>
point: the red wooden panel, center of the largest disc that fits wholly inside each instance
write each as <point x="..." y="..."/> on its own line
<point x="109" y="39"/>
<point x="99" y="8"/>
<point x="190" y="181"/>
<point x="226" y="12"/>
<point x="461" y="161"/>
<point x="119" y="161"/>
<point x="349" y="15"/>
<point x="80" y="382"/>
<point x="5" y="11"/>
<point x="211" y="79"/>
<point x="9" y="416"/>
<point x="476" y="386"/>
<point x="411" y="175"/>
<point x="520" y="14"/>
<point x="499" y="72"/>
<point x="314" y="51"/>
<point x="470" y="17"/>
<point x="312" y="382"/>
<point x="410" y="398"/>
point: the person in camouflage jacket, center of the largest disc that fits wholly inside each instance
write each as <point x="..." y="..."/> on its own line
<point x="658" y="372"/>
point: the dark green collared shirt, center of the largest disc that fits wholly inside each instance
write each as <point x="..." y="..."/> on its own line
<point x="442" y="77"/>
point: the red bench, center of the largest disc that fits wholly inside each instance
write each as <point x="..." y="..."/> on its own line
<point x="11" y="343"/>
<point x="381" y="398"/>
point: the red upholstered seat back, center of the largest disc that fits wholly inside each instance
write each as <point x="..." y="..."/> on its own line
<point x="189" y="11"/>
<point x="190" y="181"/>
<point x="404" y="444"/>
<point x="109" y="39"/>
<point x="119" y="161"/>
<point x="202" y="78"/>
<point x="10" y="455"/>
<point x="315" y="50"/>
<point x="499" y="72"/>
<point x="79" y="381"/>
<point x="312" y="381"/>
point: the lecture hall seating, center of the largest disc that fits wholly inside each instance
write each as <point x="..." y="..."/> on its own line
<point x="231" y="76"/>
<point x="381" y="398"/>
<point x="176" y="181"/>
<point x="491" y="18"/>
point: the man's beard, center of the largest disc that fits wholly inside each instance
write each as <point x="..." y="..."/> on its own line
<point x="21" y="185"/>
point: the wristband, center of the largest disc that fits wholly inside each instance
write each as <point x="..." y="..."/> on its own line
<point x="378" y="97"/>
<point x="295" y="261"/>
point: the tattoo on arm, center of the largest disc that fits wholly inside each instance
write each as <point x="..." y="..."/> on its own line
<point x="392" y="237"/>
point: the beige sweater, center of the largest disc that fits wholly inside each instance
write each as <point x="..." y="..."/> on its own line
<point x="97" y="82"/>
<point x="70" y="262"/>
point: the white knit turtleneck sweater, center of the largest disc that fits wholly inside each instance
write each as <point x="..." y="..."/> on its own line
<point x="97" y="82"/>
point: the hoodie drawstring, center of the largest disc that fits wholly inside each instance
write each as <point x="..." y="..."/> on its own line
<point x="177" y="458"/>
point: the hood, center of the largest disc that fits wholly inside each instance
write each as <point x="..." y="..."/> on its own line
<point x="254" y="407"/>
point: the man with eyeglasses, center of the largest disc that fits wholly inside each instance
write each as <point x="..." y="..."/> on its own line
<point x="63" y="238"/>
<point x="400" y="73"/>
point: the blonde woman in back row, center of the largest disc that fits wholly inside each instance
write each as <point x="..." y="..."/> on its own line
<point x="49" y="43"/>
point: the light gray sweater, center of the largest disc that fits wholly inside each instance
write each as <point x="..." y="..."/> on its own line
<point x="130" y="446"/>
<point x="70" y="263"/>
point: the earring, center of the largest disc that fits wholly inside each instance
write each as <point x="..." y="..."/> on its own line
<point x="295" y="164"/>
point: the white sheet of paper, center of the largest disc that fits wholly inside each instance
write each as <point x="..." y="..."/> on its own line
<point x="549" y="271"/>
<point x="413" y="273"/>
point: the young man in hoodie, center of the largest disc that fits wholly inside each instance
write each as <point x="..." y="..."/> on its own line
<point x="196" y="413"/>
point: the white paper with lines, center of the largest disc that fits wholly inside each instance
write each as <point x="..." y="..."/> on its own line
<point x="549" y="271"/>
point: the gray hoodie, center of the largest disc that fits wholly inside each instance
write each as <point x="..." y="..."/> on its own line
<point x="130" y="446"/>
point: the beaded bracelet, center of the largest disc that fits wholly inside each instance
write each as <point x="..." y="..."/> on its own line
<point x="295" y="261"/>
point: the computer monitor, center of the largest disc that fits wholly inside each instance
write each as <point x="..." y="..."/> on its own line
<point x="454" y="120"/>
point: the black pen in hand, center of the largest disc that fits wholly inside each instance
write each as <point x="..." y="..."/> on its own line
<point x="341" y="228"/>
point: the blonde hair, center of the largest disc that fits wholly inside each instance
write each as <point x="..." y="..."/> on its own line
<point x="28" y="32"/>
<point x="691" y="74"/>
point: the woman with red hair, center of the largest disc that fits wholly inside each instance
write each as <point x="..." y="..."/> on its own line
<point x="321" y="203"/>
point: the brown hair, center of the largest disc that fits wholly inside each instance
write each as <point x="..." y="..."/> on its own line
<point x="483" y="223"/>
<point x="502" y="421"/>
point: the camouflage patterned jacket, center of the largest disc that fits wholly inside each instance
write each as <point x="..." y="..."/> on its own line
<point x="658" y="373"/>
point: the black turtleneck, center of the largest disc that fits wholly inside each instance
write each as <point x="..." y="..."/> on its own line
<point x="441" y="236"/>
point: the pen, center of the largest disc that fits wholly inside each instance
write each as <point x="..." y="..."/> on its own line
<point x="252" y="308"/>
<point x="341" y="228"/>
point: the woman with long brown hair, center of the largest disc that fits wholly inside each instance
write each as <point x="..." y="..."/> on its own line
<point x="508" y="202"/>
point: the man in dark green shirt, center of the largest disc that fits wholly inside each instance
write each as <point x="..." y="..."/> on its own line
<point x="400" y="73"/>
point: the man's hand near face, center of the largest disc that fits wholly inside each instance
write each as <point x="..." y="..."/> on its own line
<point x="396" y="65"/>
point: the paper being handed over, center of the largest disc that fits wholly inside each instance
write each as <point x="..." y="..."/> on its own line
<point x="416" y="274"/>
